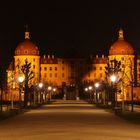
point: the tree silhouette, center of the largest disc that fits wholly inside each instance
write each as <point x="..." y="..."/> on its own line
<point x="28" y="74"/>
<point x="113" y="67"/>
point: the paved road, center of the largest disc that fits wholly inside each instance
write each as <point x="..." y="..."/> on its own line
<point x="71" y="121"/>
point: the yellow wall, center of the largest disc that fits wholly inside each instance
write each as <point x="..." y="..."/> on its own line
<point x="35" y="65"/>
<point x="127" y="73"/>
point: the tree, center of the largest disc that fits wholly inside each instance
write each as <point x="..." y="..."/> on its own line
<point x="28" y="74"/>
<point x="113" y="68"/>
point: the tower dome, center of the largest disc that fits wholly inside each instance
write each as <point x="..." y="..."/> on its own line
<point x="121" y="47"/>
<point x="26" y="47"/>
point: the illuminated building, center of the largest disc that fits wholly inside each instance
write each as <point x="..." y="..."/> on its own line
<point x="95" y="69"/>
<point x="60" y="72"/>
<point x="122" y="51"/>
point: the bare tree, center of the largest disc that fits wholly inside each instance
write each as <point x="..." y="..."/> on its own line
<point x="28" y="74"/>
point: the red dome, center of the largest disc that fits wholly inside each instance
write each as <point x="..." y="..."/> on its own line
<point x="121" y="47"/>
<point x="27" y="48"/>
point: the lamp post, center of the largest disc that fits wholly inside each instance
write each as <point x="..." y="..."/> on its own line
<point x="40" y="85"/>
<point x="20" y="81"/>
<point x="90" y="92"/>
<point x="96" y="88"/>
<point x="113" y="79"/>
<point x="49" y="89"/>
<point x="86" y="90"/>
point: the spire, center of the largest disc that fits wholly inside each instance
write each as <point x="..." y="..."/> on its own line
<point x="27" y="32"/>
<point x="121" y="34"/>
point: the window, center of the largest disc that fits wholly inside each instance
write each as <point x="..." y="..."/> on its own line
<point x="45" y="68"/>
<point x="34" y="59"/>
<point x="122" y="58"/>
<point x="55" y="68"/>
<point x="18" y="51"/>
<point x="50" y="68"/>
<point x="95" y="75"/>
<point x="89" y="68"/>
<point x="101" y="75"/>
<point x="94" y="68"/>
<point x="50" y="74"/>
<point x="123" y="66"/>
<point x="33" y="66"/>
<point x="45" y="75"/>
<point x="100" y="68"/>
<point x="62" y="68"/>
<point x="55" y="75"/>
<point x="63" y="75"/>
<point x="33" y="51"/>
<point x="26" y="52"/>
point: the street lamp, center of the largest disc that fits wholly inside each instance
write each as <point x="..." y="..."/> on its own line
<point x="40" y="85"/>
<point x="113" y="79"/>
<point x="49" y="89"/>
<point x="96" y="87"/>
<point x="20" y="81"/>
<point x="90" y="93"/>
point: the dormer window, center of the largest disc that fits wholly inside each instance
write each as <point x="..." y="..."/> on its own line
<point x="18" y="51"/>
<point x="33" y="51"/>
<point x="26" y="52"/>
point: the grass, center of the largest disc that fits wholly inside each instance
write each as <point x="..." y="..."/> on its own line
<point x="133" y="117"/>
<point x="9" y="113"/>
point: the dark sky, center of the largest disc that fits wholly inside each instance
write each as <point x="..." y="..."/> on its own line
<point x="68" y="27"/>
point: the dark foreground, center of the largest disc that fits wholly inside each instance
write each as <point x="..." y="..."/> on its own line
<point x="68" y="121"/>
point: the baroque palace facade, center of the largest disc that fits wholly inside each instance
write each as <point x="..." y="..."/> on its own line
<point x="73" y="71"/>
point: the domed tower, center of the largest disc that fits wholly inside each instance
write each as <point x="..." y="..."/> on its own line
<point x="122" y="50"/>
<point x="27" y="50"/>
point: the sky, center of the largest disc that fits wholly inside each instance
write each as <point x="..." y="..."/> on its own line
<point x="68" y="28"/>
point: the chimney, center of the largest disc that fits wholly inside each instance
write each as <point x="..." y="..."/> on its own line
<point x="44" y="56"/>
<point x="103" y="56"/>
<point x="91" y="56"/>
<point x="52" y="56"/>
<point x="96" y="56"/>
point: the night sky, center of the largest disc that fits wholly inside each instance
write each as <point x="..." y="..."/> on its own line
<point x="68" y="28"/>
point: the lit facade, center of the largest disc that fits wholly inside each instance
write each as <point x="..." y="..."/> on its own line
<point x="72" y="71"/>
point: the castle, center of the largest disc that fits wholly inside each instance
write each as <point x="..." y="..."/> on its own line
<point x="60" y="72"/>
